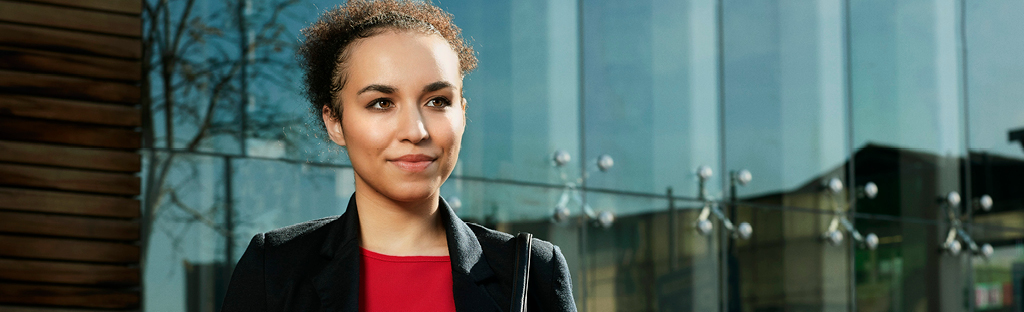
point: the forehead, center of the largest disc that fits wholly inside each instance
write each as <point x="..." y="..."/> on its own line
<point x="402" y="57"/>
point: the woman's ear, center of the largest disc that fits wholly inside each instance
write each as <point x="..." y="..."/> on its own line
<point x="464" y="118"/>
<point x="333" y="126"/>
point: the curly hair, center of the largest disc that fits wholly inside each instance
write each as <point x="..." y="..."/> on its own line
<point x="324" y="48"/>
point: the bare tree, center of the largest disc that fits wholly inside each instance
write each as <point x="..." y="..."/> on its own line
<point x="202" y="60"/>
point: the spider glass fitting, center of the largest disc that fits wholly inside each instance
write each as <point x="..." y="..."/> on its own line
<point x="711" y="207"/>
<point x="840" y="223"/>
<point x="455" y="202"/>
<point x="957" y="236"/>
<point x="573" y="198"/>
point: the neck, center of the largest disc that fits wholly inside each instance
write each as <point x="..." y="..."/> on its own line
<point x="399" y="228"/>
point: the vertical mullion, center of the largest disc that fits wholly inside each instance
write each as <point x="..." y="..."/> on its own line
<point x="967" y="187"/>
<point x="722" y="242"/>
<point x="582" y="144"/>
<point x="850" y="152"/>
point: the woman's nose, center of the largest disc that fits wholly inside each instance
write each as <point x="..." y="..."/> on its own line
<point x="412" y="127"/>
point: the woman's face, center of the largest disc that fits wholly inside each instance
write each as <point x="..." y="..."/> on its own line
<point x="403" y="114"/>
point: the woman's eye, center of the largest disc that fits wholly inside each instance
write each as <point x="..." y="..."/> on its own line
<point x="381" y="104"/>
<point x="439" y="102"/>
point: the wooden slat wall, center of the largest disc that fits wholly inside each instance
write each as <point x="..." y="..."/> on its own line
<point x="69" y="162"/>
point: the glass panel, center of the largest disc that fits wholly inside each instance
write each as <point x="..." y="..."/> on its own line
<point x="995" y="80"/>
<point x="995" y="77"/>
<point x="907" y="101"/>
<point x="907" y="106"/>
<point x="786" y="265"/>
<point x="908" y="272"/>
<point x="270" y="194"/>
<point x="649" y="259"/>
<point x="185" y="254"/>
<point x="523" y="99"/>
<point x="786" y="122"/>
<point x="650" y="93"/>
<point x="784" y="82"/>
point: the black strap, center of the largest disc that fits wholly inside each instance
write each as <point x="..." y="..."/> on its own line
<point x="524" y="244"/>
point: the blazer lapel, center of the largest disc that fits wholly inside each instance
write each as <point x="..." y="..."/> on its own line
<point x="469" y="267"/>
<point x="338" y="282"/>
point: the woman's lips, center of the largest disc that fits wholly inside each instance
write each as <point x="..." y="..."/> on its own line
<point x="413" y="163"/>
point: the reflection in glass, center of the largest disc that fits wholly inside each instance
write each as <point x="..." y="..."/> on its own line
<point x="651" y="258"/>
<point x="186" y="236"/>
<point x="523" y="99"/>
<point x="786" y="122"/>
<point x="900" y="274"/>
<point x="650" y="92"/>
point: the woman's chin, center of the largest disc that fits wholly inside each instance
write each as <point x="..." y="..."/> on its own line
<point x="411" y="192"/>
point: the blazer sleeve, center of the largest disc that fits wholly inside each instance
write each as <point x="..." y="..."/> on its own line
<point x="554" y="287"/>
<point x="562" y="283"/>
<point x="247" y="289"/>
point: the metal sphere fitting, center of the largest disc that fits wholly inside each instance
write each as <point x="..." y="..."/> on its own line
<point x="744" y="177"/>
<point x="744" y="230"/>
<point x="871" y="190"/>
<point x="561" y="158"/>
<point x="455" y="203"/>
<point x="606" y="219"/>
<point x="834" y="237"/>
<point x="953" y="199"/>
<point x="835" y="185"/>
<point x="953" y="248"/>
<point x="871" y="241"/>
<point x="704" y="227"/>
<point x="704" y="172"/>
<point x="987" y="250"/>
<point x="605" y="162"/>
<point x="985" y="202"/>
<point x="561" y="213"/>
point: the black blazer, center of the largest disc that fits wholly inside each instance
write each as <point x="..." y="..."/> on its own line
<point x="314" y="266"/>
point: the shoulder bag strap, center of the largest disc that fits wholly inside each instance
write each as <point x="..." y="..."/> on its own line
<point x="524" y="244"/>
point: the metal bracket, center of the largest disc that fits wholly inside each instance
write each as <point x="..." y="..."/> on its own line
<point x="956" y="237"/>
<point x="840" y="223"/>
<point x="571" y="193"/>
<point x="704" y="223"/>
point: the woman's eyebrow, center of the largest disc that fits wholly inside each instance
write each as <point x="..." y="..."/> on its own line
<point x="437" y="85"/>
<point x="377" y="87"/>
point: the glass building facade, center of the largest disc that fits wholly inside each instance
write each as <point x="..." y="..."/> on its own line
<point x="915" y="99"/>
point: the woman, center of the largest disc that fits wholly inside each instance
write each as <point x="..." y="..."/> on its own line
<point x="386" y="79"/>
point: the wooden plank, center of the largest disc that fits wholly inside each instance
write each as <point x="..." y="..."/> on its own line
<point x="69" y="110"/>
<point x="68" y="226"/>
<point x="69" y="179"/>
<point x="70" y="18"/>
<point x="120" y="6"/>
<point x="68" y="87"/>
<point x="68" y="273"/>
<point x="67" y="249"/>
<point x="69" y="156"/>
<point x="68" y="203"/>
<point x="19" y="129"/>
<point x="71" y="64"/>
<point x="71" y="296"/>
<point x="69" y="41"/>
<point x="9" y="308"/>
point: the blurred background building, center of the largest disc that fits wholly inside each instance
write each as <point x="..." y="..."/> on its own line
<point x="835" y="131"/>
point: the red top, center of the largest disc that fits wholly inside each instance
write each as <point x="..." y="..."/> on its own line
<point x="416" y="283"/>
